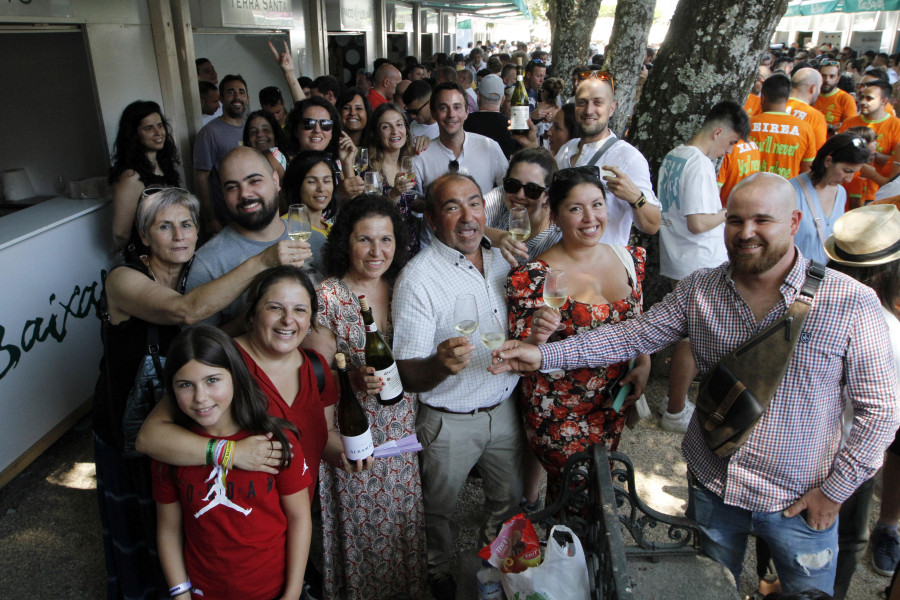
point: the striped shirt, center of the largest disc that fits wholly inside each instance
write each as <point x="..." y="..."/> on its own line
<point x="497" y="216"/>
<point x="422" y="313"/>
<point x="796" y="444"/>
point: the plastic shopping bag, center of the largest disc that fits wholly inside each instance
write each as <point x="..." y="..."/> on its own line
<point x="562" y="576"/>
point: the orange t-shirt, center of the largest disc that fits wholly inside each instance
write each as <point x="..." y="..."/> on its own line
<point x="784" y="143"/>
<point x="742" y="161"/>
<point x="816" y="120"/>
<point x="753" y="105"/>
<point x="887" y="136"/>
<point x="837" y="107"/>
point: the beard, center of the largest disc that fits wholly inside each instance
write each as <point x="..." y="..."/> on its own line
<point x="255" y="221"/>
<point x="826" y="89"/>
<point x="596" y="128"/>
<point x="759" y="263"/>
<point x="234" y="113"/>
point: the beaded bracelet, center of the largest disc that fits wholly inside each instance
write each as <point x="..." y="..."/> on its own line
<point x="180" y="589"/>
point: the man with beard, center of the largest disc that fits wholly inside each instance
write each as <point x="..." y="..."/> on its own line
<point x="629" y="197"/>
<point x="213" y="142"/>
<point x="787" y="482"/>
<point x="836" y="104"/>
<point x="250" y="188"/>
<point x="873" y="98"/>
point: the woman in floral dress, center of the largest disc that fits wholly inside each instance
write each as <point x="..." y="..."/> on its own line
<point x="372" y="521"/>
<point x="567" y="412"/>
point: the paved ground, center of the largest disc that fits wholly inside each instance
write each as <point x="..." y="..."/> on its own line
<point x="50" y="545"/>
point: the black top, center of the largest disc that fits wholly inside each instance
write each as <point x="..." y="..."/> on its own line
<point x="494" y="125"/>
<point x="124" y="347"/>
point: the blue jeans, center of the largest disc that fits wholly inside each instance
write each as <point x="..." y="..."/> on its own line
<point x="804" y="557"/>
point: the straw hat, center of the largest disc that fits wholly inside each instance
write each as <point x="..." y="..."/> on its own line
<point x="869" y="235"/>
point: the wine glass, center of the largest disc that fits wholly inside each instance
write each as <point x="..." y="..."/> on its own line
<point x="362" y="160"/>
<point x="406" y="168"/>
<point x="298" y="224"/>
<point x="465" y="314"/>
<point x="556" y="288"/>
<point x="493" y="334"/>
<point x="519" y="223"/>
<point x="373" y="182"/>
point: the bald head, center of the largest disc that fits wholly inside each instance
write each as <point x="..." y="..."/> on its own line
<point x="766" y="185"/>
<point x="385" y="80"/>
<point x="242" y="158"/>
<point x="806" y="84"/>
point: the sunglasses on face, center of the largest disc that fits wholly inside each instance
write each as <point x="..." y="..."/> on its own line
<point x="599" y="74"/>
<point x="310" y="124"/>
<point x="533" y="191"/>
<point x="414" y="111"/>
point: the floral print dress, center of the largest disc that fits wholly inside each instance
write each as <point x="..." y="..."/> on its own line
<point x="373" y="522"/>
<point x="562" y="409"/>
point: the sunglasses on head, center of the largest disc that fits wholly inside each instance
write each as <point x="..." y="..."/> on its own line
<point x="829" y="63"/>
<point x="310" y="124"/>
<point x="159" y="188"/>
<point x="533" y="191"/>
<point x="599" y="74"/>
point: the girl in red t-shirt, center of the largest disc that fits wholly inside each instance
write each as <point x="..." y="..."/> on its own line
<point x="222" y="532"/>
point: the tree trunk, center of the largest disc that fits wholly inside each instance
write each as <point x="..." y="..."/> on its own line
<point x="710" y="54"/>
<point x="571" y="25"/>
<point x="625" y="54"/>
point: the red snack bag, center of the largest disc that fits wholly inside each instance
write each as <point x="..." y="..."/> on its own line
<point x="515" y="548"/>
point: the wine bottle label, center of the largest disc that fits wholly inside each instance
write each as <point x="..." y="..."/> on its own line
<point x="371" y="328"/>
<point x="393" y="387"/>
<point x="518" y="118"/>
<point x="358" y="446"/>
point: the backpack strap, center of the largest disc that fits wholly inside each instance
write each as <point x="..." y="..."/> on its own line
<point x="318" y="368"/>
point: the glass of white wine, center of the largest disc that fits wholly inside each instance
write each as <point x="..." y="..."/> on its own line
<point x="362" y="160"/>
<point x="298" y="224"/>
<point x="519" y="224"/>
<point x="556" y="288"/>
<point x="465" y="314"/>
<point x="493" y="334"/>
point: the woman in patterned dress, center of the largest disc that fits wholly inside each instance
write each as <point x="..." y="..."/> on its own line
<point x="567" y="412"/>
<point x="372" y="521"/>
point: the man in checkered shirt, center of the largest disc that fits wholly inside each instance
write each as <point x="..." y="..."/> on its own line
<point x="467" y="416"/>
<point x="787" y="482"/>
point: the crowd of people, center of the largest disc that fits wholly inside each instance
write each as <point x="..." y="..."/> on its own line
<point x="421" y="200"/>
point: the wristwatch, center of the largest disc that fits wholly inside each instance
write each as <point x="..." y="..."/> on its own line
<point x="639" y="202"/>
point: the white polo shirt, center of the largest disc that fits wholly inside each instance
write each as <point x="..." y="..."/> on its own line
<point x="481" y="157"/>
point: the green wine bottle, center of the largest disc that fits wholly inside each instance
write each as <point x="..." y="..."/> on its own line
<point x="352" y="419"/>
<point x="518" y="104"/>
<point x="379" y="355"/>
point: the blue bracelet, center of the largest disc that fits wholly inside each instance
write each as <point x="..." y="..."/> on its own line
<point x="180" y="589"/>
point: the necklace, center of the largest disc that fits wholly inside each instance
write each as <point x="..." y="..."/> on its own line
<point x="153" y="273"/>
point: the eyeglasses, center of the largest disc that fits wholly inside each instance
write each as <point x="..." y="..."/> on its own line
<point x="310" y="124"/>
<point x="599" y="74"/>
<point x="533" y="191"/>
<point x="453" y="166"/>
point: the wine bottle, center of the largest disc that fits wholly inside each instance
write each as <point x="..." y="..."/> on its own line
<point x="379" y="355"/>
<point x="352" y="419"/>
<point x="518" y="104"/>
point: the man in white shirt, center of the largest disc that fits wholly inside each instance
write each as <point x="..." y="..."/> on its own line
<point x="629" y="196"/>
<point x="416" y="98"/>
<point x="467" y="416"/>
<point x="691" y="233"/>
<point x="455" y="149"/>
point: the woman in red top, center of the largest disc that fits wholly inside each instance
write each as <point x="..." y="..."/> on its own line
<point x="226" y="533"/>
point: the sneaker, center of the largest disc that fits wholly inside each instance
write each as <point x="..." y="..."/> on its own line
<point x="664" y="407"/>
<point x="885" y="545"/>
<point x="678" y="422"/>
<point x="442" y="586"/>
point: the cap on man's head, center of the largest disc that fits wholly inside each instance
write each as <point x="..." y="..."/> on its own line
<point x="491" y="88"/>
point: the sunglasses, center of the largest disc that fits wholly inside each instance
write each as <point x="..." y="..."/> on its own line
<point x="829" y="63"/>
<point x="414" y="111"/>
<point x="533" y="191"/>
<point x="310" y="124"/>
<point x="155" y="189"/>
<point x="599" y="74"/>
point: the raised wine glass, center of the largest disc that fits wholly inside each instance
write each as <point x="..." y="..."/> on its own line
<point x="362" y="160"/>
<point x="465" y="314"/>
<point x="556" y="288"/>
<point x="493" y="334"/>
<point x="373" y="182"/>
<point x="519" y="223"/>
<point x="298" y="224"/>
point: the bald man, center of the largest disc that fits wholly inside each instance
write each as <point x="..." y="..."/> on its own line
<point x="384" y="83"/>
<point x="806" y="84"/>
<point x="251" y="190"/>
<point x="788" y="480"/>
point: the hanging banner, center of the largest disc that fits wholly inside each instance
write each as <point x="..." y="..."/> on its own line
<point x="870" y="5"/>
